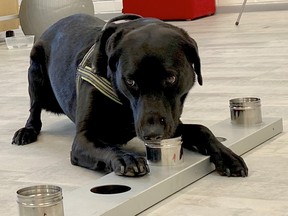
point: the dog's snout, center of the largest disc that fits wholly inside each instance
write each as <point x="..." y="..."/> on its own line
<point x="153" y="129"/>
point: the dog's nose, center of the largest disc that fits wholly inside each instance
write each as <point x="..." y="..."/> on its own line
<point x="153" y="138"/>
<point x="153" y="133"/>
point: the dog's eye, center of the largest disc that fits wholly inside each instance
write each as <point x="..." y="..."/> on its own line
<point x="130" y="82"/>
<point x="171" y="79"/>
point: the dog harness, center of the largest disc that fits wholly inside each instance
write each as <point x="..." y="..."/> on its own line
<point x="86" y="72"/>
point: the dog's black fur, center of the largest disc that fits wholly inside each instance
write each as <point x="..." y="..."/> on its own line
<point x="151" y="65"/>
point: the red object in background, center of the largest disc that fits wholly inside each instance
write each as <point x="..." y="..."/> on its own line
<point x="170" y="9"/>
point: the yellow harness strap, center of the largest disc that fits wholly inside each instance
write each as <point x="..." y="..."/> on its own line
<point x="85" y="72"/>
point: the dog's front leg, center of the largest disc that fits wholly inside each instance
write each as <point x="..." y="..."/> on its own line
<point x="97" y="156"/>
<point x="201" y="138"/>
<point x="101" y="127"/>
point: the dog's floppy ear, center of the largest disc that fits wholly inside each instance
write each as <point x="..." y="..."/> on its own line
<point x="113" y="50"/>
<point x="101" y="58"/>
<point x="191" y="52"/>
<point x="106" y="50"/>
<point x="108" y="40"/>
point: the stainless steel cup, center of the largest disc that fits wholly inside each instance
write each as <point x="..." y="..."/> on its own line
<point x="245" y="111"/>
<point x="40" y="200"/>
<point x="168" y="152"/>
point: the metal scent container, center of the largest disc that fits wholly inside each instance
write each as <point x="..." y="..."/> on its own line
<point x="245" y="111"/>
<point x="40" y="200"/>
<point x="168" y="152"/>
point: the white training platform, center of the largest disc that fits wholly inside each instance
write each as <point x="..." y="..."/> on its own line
<point x="164" y="180"/>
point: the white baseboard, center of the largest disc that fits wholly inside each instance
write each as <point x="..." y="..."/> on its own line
<point x="101" y="7"/>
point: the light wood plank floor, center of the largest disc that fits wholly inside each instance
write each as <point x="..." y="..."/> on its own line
<point x="248" y="60"/>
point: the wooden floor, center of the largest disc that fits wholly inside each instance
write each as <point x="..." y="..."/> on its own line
<point x="248" y="60"/>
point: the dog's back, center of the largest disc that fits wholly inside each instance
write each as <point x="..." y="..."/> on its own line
<point x="56" y="55"/>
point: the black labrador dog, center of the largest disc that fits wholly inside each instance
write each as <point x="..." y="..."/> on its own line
<point x="116" y="81"/>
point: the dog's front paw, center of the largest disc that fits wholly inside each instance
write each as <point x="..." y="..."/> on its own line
<point x="227" y="163"/>
<point x="130" y="165"/>
<point x="24" y="136"/>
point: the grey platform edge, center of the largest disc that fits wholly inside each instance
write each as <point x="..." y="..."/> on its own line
<point x="164" y="181"/>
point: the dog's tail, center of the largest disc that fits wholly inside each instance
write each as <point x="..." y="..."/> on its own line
<point x="38" y="53"/>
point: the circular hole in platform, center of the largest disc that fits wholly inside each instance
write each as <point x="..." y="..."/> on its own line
<point x="110" y="189"/>
<point x="221" y="139"/>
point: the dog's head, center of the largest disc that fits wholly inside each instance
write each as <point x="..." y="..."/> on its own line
<point x="153" y="64"/>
